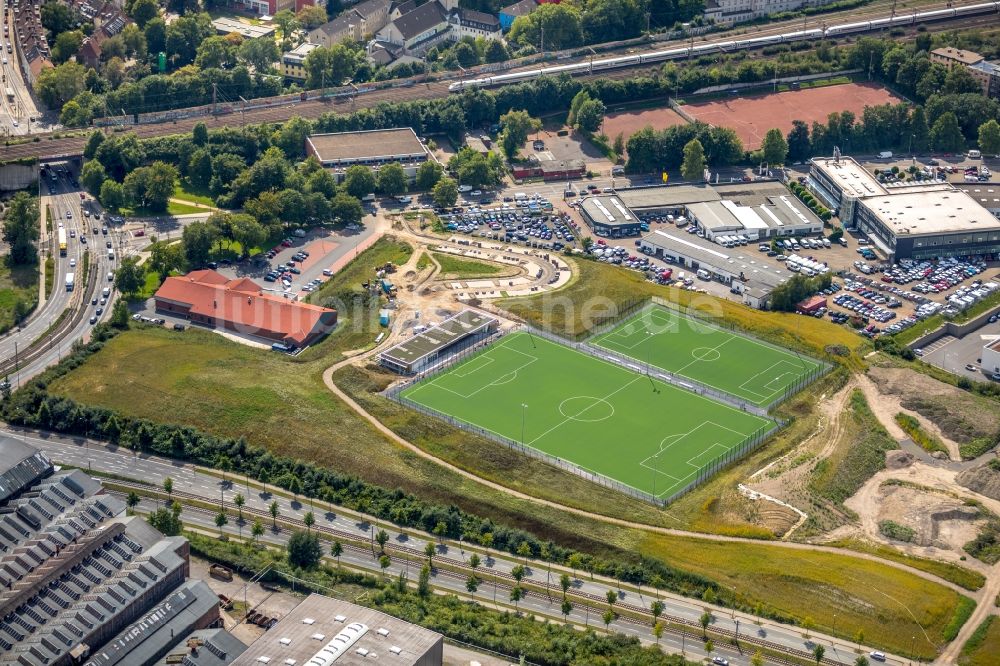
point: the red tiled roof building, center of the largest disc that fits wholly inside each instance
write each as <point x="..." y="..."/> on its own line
<point x="209" y="298"/>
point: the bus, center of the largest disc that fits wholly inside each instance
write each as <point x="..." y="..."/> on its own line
<point x="62" y="241"/>
<point x="10" y="94"/>
<point x="70" y="281"/>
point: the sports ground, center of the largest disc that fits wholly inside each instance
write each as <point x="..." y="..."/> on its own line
<point x="663" y="338"/>
<point x="601" y="417"/>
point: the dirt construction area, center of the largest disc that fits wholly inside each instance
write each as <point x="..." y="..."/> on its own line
<point x="628" y="123"/>
<point x="753" y="116"/>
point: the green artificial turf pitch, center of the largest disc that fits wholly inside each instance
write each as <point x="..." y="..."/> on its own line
<point x="685" y="347"/>
<point x="603" y="418"/>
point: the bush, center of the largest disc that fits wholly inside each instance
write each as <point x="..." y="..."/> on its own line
<point x="923" y="439"/>
<point x="894" y="530"/>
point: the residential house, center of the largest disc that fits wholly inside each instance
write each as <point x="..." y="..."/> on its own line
<point x="419" y="30"/>
<point x="293" y="62"/>
<point x="472" y="23"/>
<point x="356" y="23"/>
<point x="986" y="73"/>
<point x="512" y="12"/>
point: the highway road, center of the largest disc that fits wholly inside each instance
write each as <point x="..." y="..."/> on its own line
<point x="63" y="199"/>
<point x="18" y="109"/>
<point x="191" y="483"/>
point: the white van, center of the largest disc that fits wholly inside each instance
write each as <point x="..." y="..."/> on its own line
<point x="826" y="242"/>
<point x="703" y="274"/>
<point x="520" y="196"/>
<point x="371" y="197"/>
<point x="885" y="155"/>
<point x="680" y="277"/>
<point x="975" y="154"/>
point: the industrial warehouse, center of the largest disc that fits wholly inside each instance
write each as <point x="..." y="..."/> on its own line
<point x="907" y="220"/>
<point x="371" y="148"/>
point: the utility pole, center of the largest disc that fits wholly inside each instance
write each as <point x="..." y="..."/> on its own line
<point x="542" y="47"/>
<point x="215" y="92"/>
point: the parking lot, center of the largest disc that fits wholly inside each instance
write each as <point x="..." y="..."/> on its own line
<point x="961" y="356"/>
<point x="527" y="220"/>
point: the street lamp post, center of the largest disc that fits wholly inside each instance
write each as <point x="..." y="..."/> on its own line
<point x="523" y="407"/>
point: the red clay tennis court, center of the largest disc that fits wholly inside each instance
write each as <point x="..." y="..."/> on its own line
<point x="628" y="123"/>
<point x="753" y="116"/>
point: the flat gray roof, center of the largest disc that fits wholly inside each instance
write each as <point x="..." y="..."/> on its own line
<point x="713" y="216"/>
<point x="850" y="176"/>
<point x="927" y="212"/>
<point x="660" y="197"/>
<point x="365" y="635"/>
<point x="608" y="210"/>
<point x="227" y="25"/>
<point x="987" y="195"/>
<point x="730" y="260"/>
<point x="390" y="144"/>
<point x="445" y="334"/>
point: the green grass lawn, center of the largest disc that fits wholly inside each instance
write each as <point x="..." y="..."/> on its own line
<point x="184" y="190"/>
<point x="574" y="405"/>
<point x="460" y="267"/>
<point x="173" y="208"/>
<point x="983" y="647"/>
<point x="684" y="347"/>
<point x="19" y="283"/>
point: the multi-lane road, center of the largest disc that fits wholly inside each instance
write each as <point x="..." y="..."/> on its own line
<point x="197" y="489"/>
<point x="64" y="316"/>
<point x="17" y="109"/>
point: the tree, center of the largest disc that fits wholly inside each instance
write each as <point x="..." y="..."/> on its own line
<point x="143" y="11"/>
<point x="472" y="584"/>
<point x="516" y="594"/>
<point x="330" y="66"/>
<point x="199" y="168"/>
<point x="429" y="550"/>
<point x="94" y="142"/>
<point x="495" y="51"/>
<point x="359" y="181"/>
<point x="260" y="54"/>
<point x="704" y="621"/>
<point x="515" y="126"/>
<point x="658" y="631"/>
<point x="567" y="608"/>
<point x="774" y="149"/>
<point x="168" y="488"/>
<point x="392" y="179"/>
<point x="246" y="231"/>
<point x="239" y="501"/>
<point x="518" y="572"/>
<point x="799" y="148"/>
<point x="381" y="538"/>
<point x="119" y="315"/>
<point x="199" y="134"/>
<point x="311" y="16"/>
<point x="156" y="35"/>
<point x="112" y="195"/>
<point x="120" y="154"/>
<point x="198" y="237"/>
<point x="56" y="17"/>
<point x="346" y="209"/>
<point x="428" y="174"/>
<point x="693" y="167"/>
<point x="989" y="137"/>
<point x="445" y="193"/>
<point x="132" y="501"/>
<point x="151" y="187"/>
<point x="221" y="521"/>
<point x="257" y="530"/>
<point x="167" y="520"/>
<point x="286" y="22"/>
<point x="20" y="229"/>
<point x="656" y="608"/>
<point x="130" y="276"/>
<point x="946" y="135"/>
<point x="590" y="115"/>
<point x="66" y="46"/>
<point x="58" y="85"/>
<point x="274" y="510"/>
<point x="560" y="24"/>
<point x="424" y="581"/>
<point x="818" y="652"/>
<point x="304" y="550"/>
<point x="337" y="549"/>
<point x="384" y="563"/>
<point x="709" y="647"/>
<point x="757" y="659"/>
<point x="808" y="624"/>
<point x="608" y="617"/>
<point x="861" y="661"/>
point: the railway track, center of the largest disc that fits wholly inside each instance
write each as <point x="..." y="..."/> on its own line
<point x="71" y="318"/>
<point x="460" y="571"/>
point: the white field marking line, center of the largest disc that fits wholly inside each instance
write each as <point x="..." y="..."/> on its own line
<point x="478" y="366"/>
<point x="670" y="325"/>
<point x="494" y="382"/>
<point x="681" y="436"/>
<point x="605" y="398"/>
<point x="698" y="360"/>
<point x="769" y="370"/>
<point x="798" y="361"/>
<point x="780" y="377"/>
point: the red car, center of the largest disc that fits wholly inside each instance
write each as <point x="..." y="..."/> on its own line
<point x="82" y="196"/>
<point x="286" y="243"/>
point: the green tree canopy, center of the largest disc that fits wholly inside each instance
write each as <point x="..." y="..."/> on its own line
<point x="20" y="228"/>
<point x="774" y="149"/>
<point x="392" y="179"/>
<point x="693" y="166"/>
<point x="989" y="137"/>
<point x="304" y="550"/>
<point x="445" y="193"/>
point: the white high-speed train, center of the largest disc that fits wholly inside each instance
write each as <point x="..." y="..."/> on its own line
<point x="734" y="45"/>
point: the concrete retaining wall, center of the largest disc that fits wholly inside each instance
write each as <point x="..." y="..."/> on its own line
<point x="17" y="176"/>
<point x="956" y="330"/>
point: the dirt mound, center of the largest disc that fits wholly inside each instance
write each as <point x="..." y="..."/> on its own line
<point x="984" y="479"/>
<point x="898" y="459"/>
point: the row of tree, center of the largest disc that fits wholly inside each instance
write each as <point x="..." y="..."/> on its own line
<point x="21" y="229"/>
